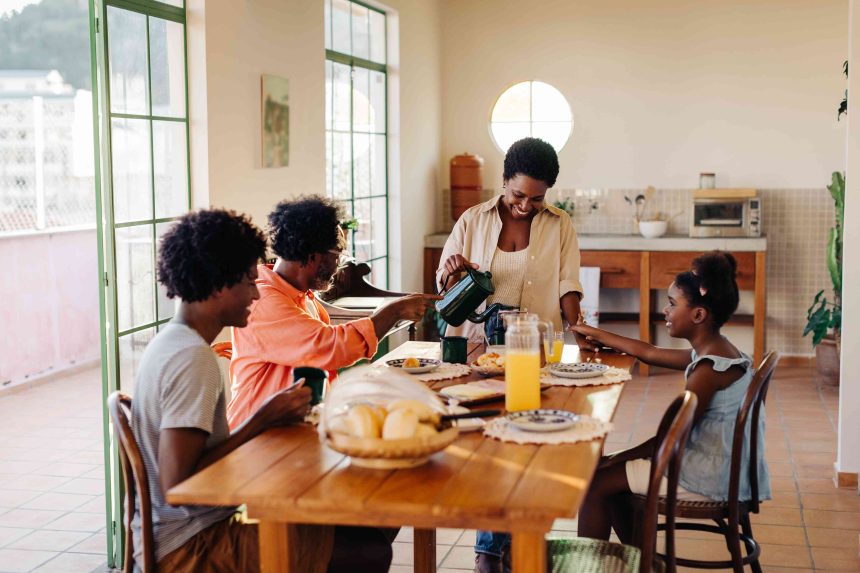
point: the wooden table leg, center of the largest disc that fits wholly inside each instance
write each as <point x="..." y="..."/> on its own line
<point x="644" y="305"/>
<point x="275" y="550"/>
<point x="528" y="552"/>
<point x="424" y="550"/>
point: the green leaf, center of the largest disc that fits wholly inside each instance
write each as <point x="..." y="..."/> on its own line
<point x="814" y="304"/>
<point x="833" y="263"/>
<point x="819" y="333"/>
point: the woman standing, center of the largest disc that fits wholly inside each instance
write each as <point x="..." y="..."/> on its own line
<point x="532" y="252"/>
<point x="529" y="247"/>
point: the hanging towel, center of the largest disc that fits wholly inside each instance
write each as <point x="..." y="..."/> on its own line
<point x="590" y="304"/>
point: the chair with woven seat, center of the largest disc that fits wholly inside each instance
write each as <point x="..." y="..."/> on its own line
<point x="135" y="482"/>
<point x="731" y="517"/>
<point x="582" y="555"/>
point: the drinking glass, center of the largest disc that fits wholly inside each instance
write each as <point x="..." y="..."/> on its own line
<point x="553" y="345"/>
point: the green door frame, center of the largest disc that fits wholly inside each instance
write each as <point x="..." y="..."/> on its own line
<point x="105" y="229"/>
<point x="356" y="62"/>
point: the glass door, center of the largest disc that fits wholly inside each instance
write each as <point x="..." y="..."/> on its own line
<point x="357" y="126"/>
<point x="141" y="126"/>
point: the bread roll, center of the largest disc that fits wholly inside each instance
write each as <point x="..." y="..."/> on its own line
<point x="425" y="431"/>
<point x="400" y="424"/>
<point x="362" y="422"/>
<point x="425" y="413"/>
<point x="379" y="413"/>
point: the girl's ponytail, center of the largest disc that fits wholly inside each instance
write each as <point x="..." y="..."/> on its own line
<point x="712" y="283"/>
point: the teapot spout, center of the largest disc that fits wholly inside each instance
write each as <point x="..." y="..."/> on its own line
<point x="488" y="312"/>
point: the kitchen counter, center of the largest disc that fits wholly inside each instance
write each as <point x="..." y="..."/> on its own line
<point x="639" y="243"/>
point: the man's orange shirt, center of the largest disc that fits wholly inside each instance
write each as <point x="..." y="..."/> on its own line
<point x="283" y="332"/>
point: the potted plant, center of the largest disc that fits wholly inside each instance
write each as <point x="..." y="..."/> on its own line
<point x="824" y="317"/>
<point x="567" y="205"/>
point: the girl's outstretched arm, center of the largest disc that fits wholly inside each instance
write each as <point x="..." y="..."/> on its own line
<point x="666" y="357"/>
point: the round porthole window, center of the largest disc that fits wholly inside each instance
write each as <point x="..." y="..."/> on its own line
<point x="531" y="109"/>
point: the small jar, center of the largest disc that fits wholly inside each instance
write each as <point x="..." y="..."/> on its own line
<point x="707" y="180"/>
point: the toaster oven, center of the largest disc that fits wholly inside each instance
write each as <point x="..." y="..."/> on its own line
<point x="725" y="213"/>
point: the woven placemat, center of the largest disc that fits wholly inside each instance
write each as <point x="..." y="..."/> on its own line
<point x="446" y="371"/>
<point x="585" y="430"/>
<point x="611" y="376"/>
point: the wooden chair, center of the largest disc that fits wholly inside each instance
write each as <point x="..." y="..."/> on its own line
<point x="223" y="349"/>
<point x="731" y="515"/>
<point x="136" y="483"/>
<point x="351" y="281"/>
<point x="597" y="556"/>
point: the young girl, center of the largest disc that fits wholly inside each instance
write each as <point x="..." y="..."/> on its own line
<point x="700" y="302"/>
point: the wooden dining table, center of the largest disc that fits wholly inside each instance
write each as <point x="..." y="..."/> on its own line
<point x="287" y="476"/>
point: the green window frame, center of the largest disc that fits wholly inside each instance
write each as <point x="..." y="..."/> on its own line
<point x="143" y="184"/>
<point x="356" y="126"/>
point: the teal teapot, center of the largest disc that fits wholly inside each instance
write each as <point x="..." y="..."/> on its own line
<point x="458" y="304"/>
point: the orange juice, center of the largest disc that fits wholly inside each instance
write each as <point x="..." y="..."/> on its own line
<point x="557" y="349"/>
<point x="522" y="380"/>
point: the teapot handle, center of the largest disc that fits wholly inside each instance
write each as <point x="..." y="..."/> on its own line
<point x="444" y="284"/>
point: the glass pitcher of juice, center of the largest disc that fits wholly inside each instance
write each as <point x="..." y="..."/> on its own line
<point x="522" y="360"/>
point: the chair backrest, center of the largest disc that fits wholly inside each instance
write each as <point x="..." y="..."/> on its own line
<point x="136" y="484"/>
<point x="223" y="349"/>
<point x="671" y="440"/>
<point x="750" y="410"/>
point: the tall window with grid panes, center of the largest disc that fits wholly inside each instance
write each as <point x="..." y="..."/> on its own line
<point x="356" y="126"/>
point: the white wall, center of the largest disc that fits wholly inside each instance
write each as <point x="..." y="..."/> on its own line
<point x="416" y="131"/>
<point x="245" y="39"/>
<point x="231" y="44"/>
<point x="661" y="90"/>
<point x="848" y="457"/>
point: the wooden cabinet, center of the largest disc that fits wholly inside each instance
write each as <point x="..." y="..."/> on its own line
<point x="431" y="263"/>
<point x="618" y="269"/>
<point x="665" y="266"/>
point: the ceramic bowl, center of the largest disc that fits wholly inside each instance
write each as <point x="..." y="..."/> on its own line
<point x="653" y="229"/>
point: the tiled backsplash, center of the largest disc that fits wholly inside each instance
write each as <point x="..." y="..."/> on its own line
<point x="795" y="221"/>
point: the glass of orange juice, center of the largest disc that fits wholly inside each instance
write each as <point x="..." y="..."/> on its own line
<point x="553" y="345"/>
<point x="522" y="380"/>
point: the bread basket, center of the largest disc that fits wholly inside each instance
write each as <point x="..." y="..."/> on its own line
<point x="390" y="454"/>
<point x="381" y="386"/>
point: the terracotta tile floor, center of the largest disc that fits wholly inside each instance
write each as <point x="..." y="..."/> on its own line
<point x="52" y="503"/>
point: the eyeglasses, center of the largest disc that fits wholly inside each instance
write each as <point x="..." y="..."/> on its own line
<point x="343" y="259"/>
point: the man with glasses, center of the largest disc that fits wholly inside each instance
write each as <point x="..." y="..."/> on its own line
<point x="287" y="326"/>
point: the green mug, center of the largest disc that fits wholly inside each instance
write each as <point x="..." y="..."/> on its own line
<point x="454" y="349"/>
<point x="315" y="379"/>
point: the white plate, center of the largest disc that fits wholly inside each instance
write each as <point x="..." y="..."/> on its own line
<point x="542" y="420"/>
<point x="466" y="424"/>
<point x="427" y="365"/>
<point x="578" y="370"/>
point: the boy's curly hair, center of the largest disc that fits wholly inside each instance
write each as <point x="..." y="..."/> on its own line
<point x="206" y="251"/>
<point x="532" y="157"/>
<point x="304" y="226"/>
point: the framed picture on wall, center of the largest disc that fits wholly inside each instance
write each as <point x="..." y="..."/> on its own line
<point x="276" y="121"/>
